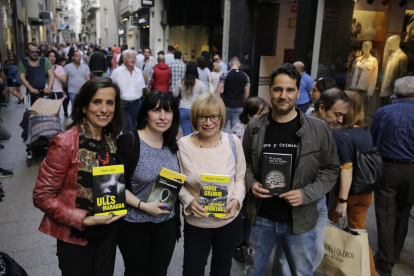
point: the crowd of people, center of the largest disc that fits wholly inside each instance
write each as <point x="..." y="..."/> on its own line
<point x="127" y="108"/>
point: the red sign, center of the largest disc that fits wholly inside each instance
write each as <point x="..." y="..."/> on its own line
<point x="294" y="8"/>
<point x="332" y="15"/>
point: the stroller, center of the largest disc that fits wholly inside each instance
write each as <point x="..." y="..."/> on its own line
<point x="38" y="130"/>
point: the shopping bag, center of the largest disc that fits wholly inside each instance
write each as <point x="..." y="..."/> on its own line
<point x="46" y="106"/>
<point x="346" y="254"/>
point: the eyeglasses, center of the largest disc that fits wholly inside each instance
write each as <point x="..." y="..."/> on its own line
<point x="34" y="52"/>
<point x="214" y="118"/>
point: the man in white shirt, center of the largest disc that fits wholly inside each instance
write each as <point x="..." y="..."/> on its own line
<point x="140" y="56"/>
<point x="169" y="57"/>
<point x="146" y="64"/>
<point x="66" y="50"/>
<point x="223" y="66"/>
<point x="131" y="82"/>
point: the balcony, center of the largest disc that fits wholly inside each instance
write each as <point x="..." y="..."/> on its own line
<point x="127" y="7"/>
<point x="85" y="15"/>
<point x="94" y="5"/>
<point x="59" y="6"/>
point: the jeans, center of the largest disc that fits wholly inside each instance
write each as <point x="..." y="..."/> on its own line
<point x="232" y="115"/>
<point x="72" y="96"/>
<point x="198" y="242"/>
<point x="299" y="248"/>
<point x="130" y="110"/>
<point x="185" y="121"/>
<point x="281" y="266"/>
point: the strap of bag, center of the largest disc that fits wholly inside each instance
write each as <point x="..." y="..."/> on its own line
<point x="233" y="146"/>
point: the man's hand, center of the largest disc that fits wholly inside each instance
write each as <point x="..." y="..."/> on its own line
<point x="294" y="197"/>
<point x="259" y="192"/>
<point x="34" y="91"/>
<point x="47" y="90"/>
<point x="341" y="210"/>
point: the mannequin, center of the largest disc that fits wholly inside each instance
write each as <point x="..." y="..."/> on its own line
<point x="364" y="71"/>
<point x="395" y="68"/>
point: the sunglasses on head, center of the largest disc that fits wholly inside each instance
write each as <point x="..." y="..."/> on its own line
<point x="34" y="52"/>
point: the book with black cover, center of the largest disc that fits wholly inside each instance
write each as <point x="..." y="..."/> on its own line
<point x="214" y="191"/>
<point x="276" y="168"/>
<point x="166" y="188"/>
<point x="109" y="190"/>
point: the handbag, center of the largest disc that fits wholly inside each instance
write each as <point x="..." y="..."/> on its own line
<point x="346" y="252"/>
<point x="367" y="175"/>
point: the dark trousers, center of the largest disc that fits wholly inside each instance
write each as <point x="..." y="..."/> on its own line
<point x="392" y="209"/>
<point x="34" y="97"/>
<point x="130" y="110"/>
<point x="147" y="248"/>
<point x="97" y="258"/>
<point x="198" y="242"/>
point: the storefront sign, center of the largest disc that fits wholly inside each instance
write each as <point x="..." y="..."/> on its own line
<point x="133" y="21"/>
<point x="121" y="31"/>
<point x="332" y="15"/>
<point x="294" y="8"/>
<point x="143" y="17"/>
<point x="147" y="3"/>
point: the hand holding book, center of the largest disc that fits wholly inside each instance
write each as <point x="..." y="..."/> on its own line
<point x="259" y="192"/>
<point x="96" y="220"/>
<point x="154" y="208"/>
<point x="230" y="209"/>
<point x="196" y="209"/>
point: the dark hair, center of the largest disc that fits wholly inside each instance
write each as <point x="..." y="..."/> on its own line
<point x="85" y="96"/>
<point x="34" y="44"/>
<point x="57" y="56"/>
<point x="166" y="102"/>
<point x="160" y="53"/>
<point x="170" y="48"/>
<point x="177" y="54"/>
<point x="325" y="83"/>
<point x="201" y="62"/>
<point x="329" y="98"/>
<point x="109" y="49"/>
<point x="251" y="107"/>
<point x="285" y="69"/>
<point x="189" y="80"/>
<point x="71" y="52"/>
<point x="148" y="49"/>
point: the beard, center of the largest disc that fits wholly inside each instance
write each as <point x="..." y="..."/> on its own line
<point x="284" y="110"/>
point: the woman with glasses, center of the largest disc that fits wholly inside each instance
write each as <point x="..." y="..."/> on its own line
<point x="210" y="151"/>
<point x="319" y="86"/>
<point x="148" y="233"/>
<point x="86" y="244"/>
<point x="189" y="88"/>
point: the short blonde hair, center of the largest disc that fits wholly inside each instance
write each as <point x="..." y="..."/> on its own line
<point x="207" y="103"/>
<point x="216" y="67"/>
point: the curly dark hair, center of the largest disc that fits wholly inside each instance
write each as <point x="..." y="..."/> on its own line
<point x="85" y="96"/>
<point x="57" y="56"/>
<point x="285" y="69"/>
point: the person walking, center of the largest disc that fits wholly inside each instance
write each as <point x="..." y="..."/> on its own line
<point x="160" y="77"/>
<point x="203" y="72"/>
<point x="215" y="75"/>
<point x="189" y="87"/>
<point x="86" y="243"/>
<point x="13" y="77"/>
<point x="306" y="85"/>
<point x="177" y="70"/>
<point x="97" y="62"/>
<point x="236" y="90"/>
<point x="76" y="75"/>
<point x="393" y="131"/>
<point x="36" y="73"/>
<point x="131" y="82"/>
<point x="146" y="64"/>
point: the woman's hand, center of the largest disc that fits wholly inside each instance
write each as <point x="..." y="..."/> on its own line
<point x="196" y="209"/>
<point x="96" y="220"/>
<point x="231" y="209"/>
<point x="154" y="208"/>
<point x="341" y="210"/>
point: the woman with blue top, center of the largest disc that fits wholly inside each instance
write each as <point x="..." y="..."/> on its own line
<point x="147" y="234"/>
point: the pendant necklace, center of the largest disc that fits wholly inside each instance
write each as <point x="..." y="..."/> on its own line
<point x="199" y="142"/>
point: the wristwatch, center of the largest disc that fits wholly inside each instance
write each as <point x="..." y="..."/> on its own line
<point x="341" y="200"/>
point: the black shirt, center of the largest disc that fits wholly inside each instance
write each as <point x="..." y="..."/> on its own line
<point x="280" y="138"/>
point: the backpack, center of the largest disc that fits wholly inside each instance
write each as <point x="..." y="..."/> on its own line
<point x="367" y="175"/>
<point x="13" y="75"/>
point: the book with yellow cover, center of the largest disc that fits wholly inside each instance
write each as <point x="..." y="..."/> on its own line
<point x="214" y="191"/>
<point x="166" y="188"/>
<point x="109" y="190"/>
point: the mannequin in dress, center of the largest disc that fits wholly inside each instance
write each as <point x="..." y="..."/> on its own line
<point x="395" y="68"/>
<point x="364" y="75"/>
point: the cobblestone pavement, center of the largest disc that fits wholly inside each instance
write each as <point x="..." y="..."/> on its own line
<point x="36" y="252"/>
